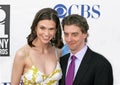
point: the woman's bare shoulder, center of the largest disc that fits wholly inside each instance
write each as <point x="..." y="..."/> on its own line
<point x="21" y="53"/>
<point x="59" y="52"/>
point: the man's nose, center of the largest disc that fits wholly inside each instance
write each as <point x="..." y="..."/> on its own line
<point x="69" y="38"/>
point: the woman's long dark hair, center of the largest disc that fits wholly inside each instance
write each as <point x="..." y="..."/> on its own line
<point x="46" y="14"/>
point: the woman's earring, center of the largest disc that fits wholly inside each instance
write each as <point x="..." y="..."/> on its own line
<point x="53" y="41"/>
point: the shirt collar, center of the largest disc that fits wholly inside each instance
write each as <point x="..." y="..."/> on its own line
<point x="79" y="55"/>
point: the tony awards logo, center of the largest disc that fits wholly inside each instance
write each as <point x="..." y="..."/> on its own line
<point x="4" y="30"/>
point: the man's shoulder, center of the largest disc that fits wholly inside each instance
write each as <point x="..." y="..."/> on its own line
<point x="100" y="59"/>
<point x="65" y="56"/>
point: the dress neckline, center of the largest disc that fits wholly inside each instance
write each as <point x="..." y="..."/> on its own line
<point x="33" y="67"/>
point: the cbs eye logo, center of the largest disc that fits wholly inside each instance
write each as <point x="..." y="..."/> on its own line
<point x="4" y="30"/>
<point x="88" y="11"/>
<point x="61" y="9"/>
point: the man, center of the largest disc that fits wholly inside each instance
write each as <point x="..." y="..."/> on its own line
<point x="90" y="67"/>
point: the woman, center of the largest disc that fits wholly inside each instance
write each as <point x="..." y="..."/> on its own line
<point x="37" y="63"/>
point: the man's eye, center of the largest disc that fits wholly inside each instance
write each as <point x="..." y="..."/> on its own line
<point x="66" y="34"/>
<point x="75" y="34"/>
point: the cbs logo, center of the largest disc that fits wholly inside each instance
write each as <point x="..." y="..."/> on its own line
<point x="85" y="10"/>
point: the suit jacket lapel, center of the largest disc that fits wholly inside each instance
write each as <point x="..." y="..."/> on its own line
<point x="63" y="62"/>
<point x="83" y="67"/>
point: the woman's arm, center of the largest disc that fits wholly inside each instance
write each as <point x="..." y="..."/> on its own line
<point x="18" y="67"/>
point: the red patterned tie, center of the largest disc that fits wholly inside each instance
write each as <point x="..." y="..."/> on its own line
<point x="70" y="73"/>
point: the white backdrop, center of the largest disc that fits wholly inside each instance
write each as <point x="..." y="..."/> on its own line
<point x="104" y="32"/>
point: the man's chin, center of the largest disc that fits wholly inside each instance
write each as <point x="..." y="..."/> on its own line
<point x="72" y="49"/>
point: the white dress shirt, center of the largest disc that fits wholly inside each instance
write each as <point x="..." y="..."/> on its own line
<point x="79" y="56"/>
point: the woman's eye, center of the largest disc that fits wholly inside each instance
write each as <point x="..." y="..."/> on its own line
<point x="42" y="27"/>
<point x="52" y="28"/>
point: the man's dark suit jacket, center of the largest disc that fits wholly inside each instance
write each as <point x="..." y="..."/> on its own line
<point x="94" y="69"/>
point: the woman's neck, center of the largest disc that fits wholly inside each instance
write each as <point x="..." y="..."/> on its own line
<point x="41" y="47"/>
